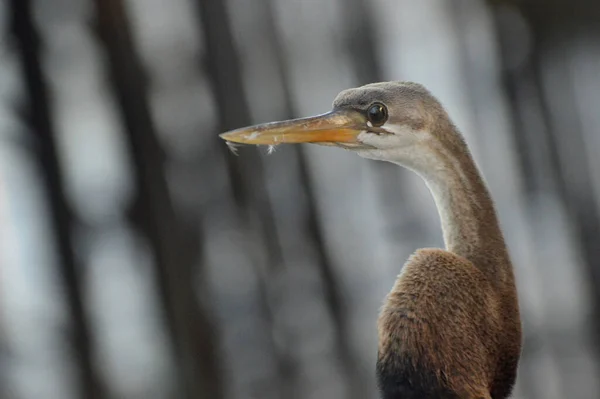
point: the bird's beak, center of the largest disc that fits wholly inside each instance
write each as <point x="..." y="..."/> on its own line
<point x="339" y="127"/>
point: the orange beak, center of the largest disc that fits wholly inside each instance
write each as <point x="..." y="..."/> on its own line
<point x="336" y="127"/>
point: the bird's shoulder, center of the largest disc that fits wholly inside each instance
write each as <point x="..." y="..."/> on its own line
<point x="435" y="317"/>
<point x="434" y="270"/>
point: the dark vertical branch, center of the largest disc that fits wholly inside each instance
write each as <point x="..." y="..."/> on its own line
<point x="362" y="46"/>
<point x="226" y="78"/>
<point x="520" y="89"/>
<point x="361" y="41"/>
<point x="363" y="49"/>
<point x="511" y="82"/>
<point x="223" y="66"/>
<point x="564" y="19"/>
<point x="581" y="207"/>
<point x="40" y="120"/>
<point x="333" y="295"/>
<point x="193" y="337"/>
<point x="5" y="384"/>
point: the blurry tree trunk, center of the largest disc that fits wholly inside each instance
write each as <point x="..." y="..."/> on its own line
<point x="175" y="253"/>
<point x="361" y="41"/>
<point x="344" y="350"/>
<point x="38" y="118"/>
<point x="246" y="173"/>
<point x="363" y="48"/>
<point x="548" y="21"/>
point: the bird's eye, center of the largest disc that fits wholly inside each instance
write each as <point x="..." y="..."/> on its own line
<point x="377" y="114"/>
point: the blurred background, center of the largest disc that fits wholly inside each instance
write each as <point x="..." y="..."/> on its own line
<point x="139" y="258"/>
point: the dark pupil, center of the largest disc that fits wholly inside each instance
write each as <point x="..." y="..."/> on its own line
<point x="376" y="114"/>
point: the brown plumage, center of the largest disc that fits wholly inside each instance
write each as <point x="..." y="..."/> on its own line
<point x="450" y="327"/>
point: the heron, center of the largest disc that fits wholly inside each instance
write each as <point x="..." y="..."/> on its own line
<point x="450" y="327"/>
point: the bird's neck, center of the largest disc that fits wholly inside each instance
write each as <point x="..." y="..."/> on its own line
<point x="468" y="216"/>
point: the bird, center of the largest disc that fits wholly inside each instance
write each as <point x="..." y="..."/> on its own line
<point x="450" y="327"/>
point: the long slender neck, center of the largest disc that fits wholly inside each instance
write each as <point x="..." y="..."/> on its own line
<point x="469" y="222"/>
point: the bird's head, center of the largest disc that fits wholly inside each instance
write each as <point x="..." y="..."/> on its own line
<point x="399" y="122"/>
